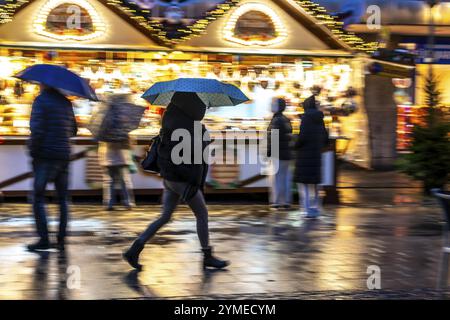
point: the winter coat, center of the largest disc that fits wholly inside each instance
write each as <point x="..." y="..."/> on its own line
<point x="111" y="154"/>
<point x="310" y="142"/>
<point x="184" y="110"/>
<point x="52" y="124"/>
<point x="283" y="124"/>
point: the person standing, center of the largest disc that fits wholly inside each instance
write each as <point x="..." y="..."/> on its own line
<point x="52" y="124"/>
<point x="116" y="160"/>
<point x="281" y="160"/>
<point x="183" y="180"/>
<point x="312" y="139"/>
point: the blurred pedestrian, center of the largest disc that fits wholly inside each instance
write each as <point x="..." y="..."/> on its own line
<point x="311" y="141"/>
<point x="183" y="180"/>
<point x="52" y="124"/>
<point x="281" y="160"/>
<point x="117" y="162"/>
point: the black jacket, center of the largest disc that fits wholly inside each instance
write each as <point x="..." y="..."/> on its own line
<point x="52" y="124"/>
<point x="283" y="124"/>
<point x="184" y="110"/>
<point x="310" y="142"/>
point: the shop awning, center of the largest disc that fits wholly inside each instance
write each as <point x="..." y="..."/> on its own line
<point x="78" y="47"/>
<point x="267" y="51"/>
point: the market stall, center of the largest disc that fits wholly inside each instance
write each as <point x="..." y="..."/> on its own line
<point x="267" y="48"/>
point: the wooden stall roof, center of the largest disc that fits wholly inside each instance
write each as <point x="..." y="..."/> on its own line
<point x="307" y="13"/>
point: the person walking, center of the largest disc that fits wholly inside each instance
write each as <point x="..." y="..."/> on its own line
<point x="116" y="160"/>
<point x="281" y="159"/>
<point x="52" y="124"/>
<point x="312" y="139"/>
<point x="182" y="179"/>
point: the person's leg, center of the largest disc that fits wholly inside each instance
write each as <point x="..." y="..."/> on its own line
<point x="41" y="170"/>
<point x="316" y="199"/>
<point x="107" y="182"/>
<point x="113" y="173"/>
<point x="288" y="184"/>
<point x="313" y="210"/>
<point x="126" y="186"/>
<point x="61" y="186"/>
<point x="304" y="197"/>
<point x="170" y="202"/>
<point x="272" y="181"/>
<point x="282" y="174"/>
<point x="198" y="207"/>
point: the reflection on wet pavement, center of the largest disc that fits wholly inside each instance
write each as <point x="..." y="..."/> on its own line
<point x="272" y="253"/>
<point x="359" y="186"/>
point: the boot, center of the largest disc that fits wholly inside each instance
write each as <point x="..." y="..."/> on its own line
<point x="132" y="254"/>
<point x="61" y="244"/>
<point x="210" y="261"/>
<point x="42" y="244"/>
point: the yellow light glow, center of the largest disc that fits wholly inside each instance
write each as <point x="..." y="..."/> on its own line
<point x="247" y="7"/>
<point x="40" y="21"/>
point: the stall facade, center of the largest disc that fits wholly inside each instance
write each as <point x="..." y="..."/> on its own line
<point x="266" y="47"/>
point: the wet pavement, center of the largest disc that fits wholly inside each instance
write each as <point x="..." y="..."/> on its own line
<point x="273" y="254"/>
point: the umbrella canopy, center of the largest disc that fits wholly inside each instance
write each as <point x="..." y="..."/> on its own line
<point x="60" y="78"/>
<point x="114" y="120"/>
<point x="212" y="92"/>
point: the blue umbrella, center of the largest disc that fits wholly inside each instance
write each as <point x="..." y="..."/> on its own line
<point x="212" y="92"/>
<point x="60" y="78"/>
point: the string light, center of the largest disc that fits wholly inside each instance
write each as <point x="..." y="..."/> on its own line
<point x="336" y="27"/>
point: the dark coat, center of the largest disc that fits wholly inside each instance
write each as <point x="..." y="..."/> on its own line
<point x="182" y="112"/>
<point x="52" y="124"/>
<point x="312" y="139"/>
<point x="283" y="124"/>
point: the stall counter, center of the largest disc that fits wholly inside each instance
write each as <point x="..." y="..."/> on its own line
<point x="86" y="174"/>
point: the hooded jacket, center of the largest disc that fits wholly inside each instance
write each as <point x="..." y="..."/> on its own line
<point x="310" y="142"/>
<point x="52" y="124"/>
<point x="182" y="160"/>
<point x="281" y="123"/>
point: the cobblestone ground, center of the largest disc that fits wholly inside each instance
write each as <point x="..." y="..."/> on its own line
<point x="274" y="254"/>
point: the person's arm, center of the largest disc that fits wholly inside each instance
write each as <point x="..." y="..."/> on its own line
<point x="300" y="140"/>
<point x="325" y="135"/>
<point x="37" y="125"/>
<point x="74" y="123"/>
<point x="269" y="139"/>
<point x="275" y="124"/>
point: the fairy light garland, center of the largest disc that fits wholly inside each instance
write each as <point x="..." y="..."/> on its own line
<point x="336" y="27"/>
<point x="141" y="17"/>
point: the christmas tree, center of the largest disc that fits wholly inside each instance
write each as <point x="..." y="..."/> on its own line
<point x="428" y="159"/>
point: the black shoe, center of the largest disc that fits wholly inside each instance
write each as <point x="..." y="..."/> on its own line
<point x="60" y="245"/>
<point x="275" y="206"/>
<point x="40" y="245"/>
<point x="132" y="255"/>
<point x="287" y="207"/>
<point x="209" y="261"/>
<point x="109" y="208"/>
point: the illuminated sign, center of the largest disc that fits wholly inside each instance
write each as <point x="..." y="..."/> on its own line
<point x="255" y="24"/>
<point x="68" y="20"/>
